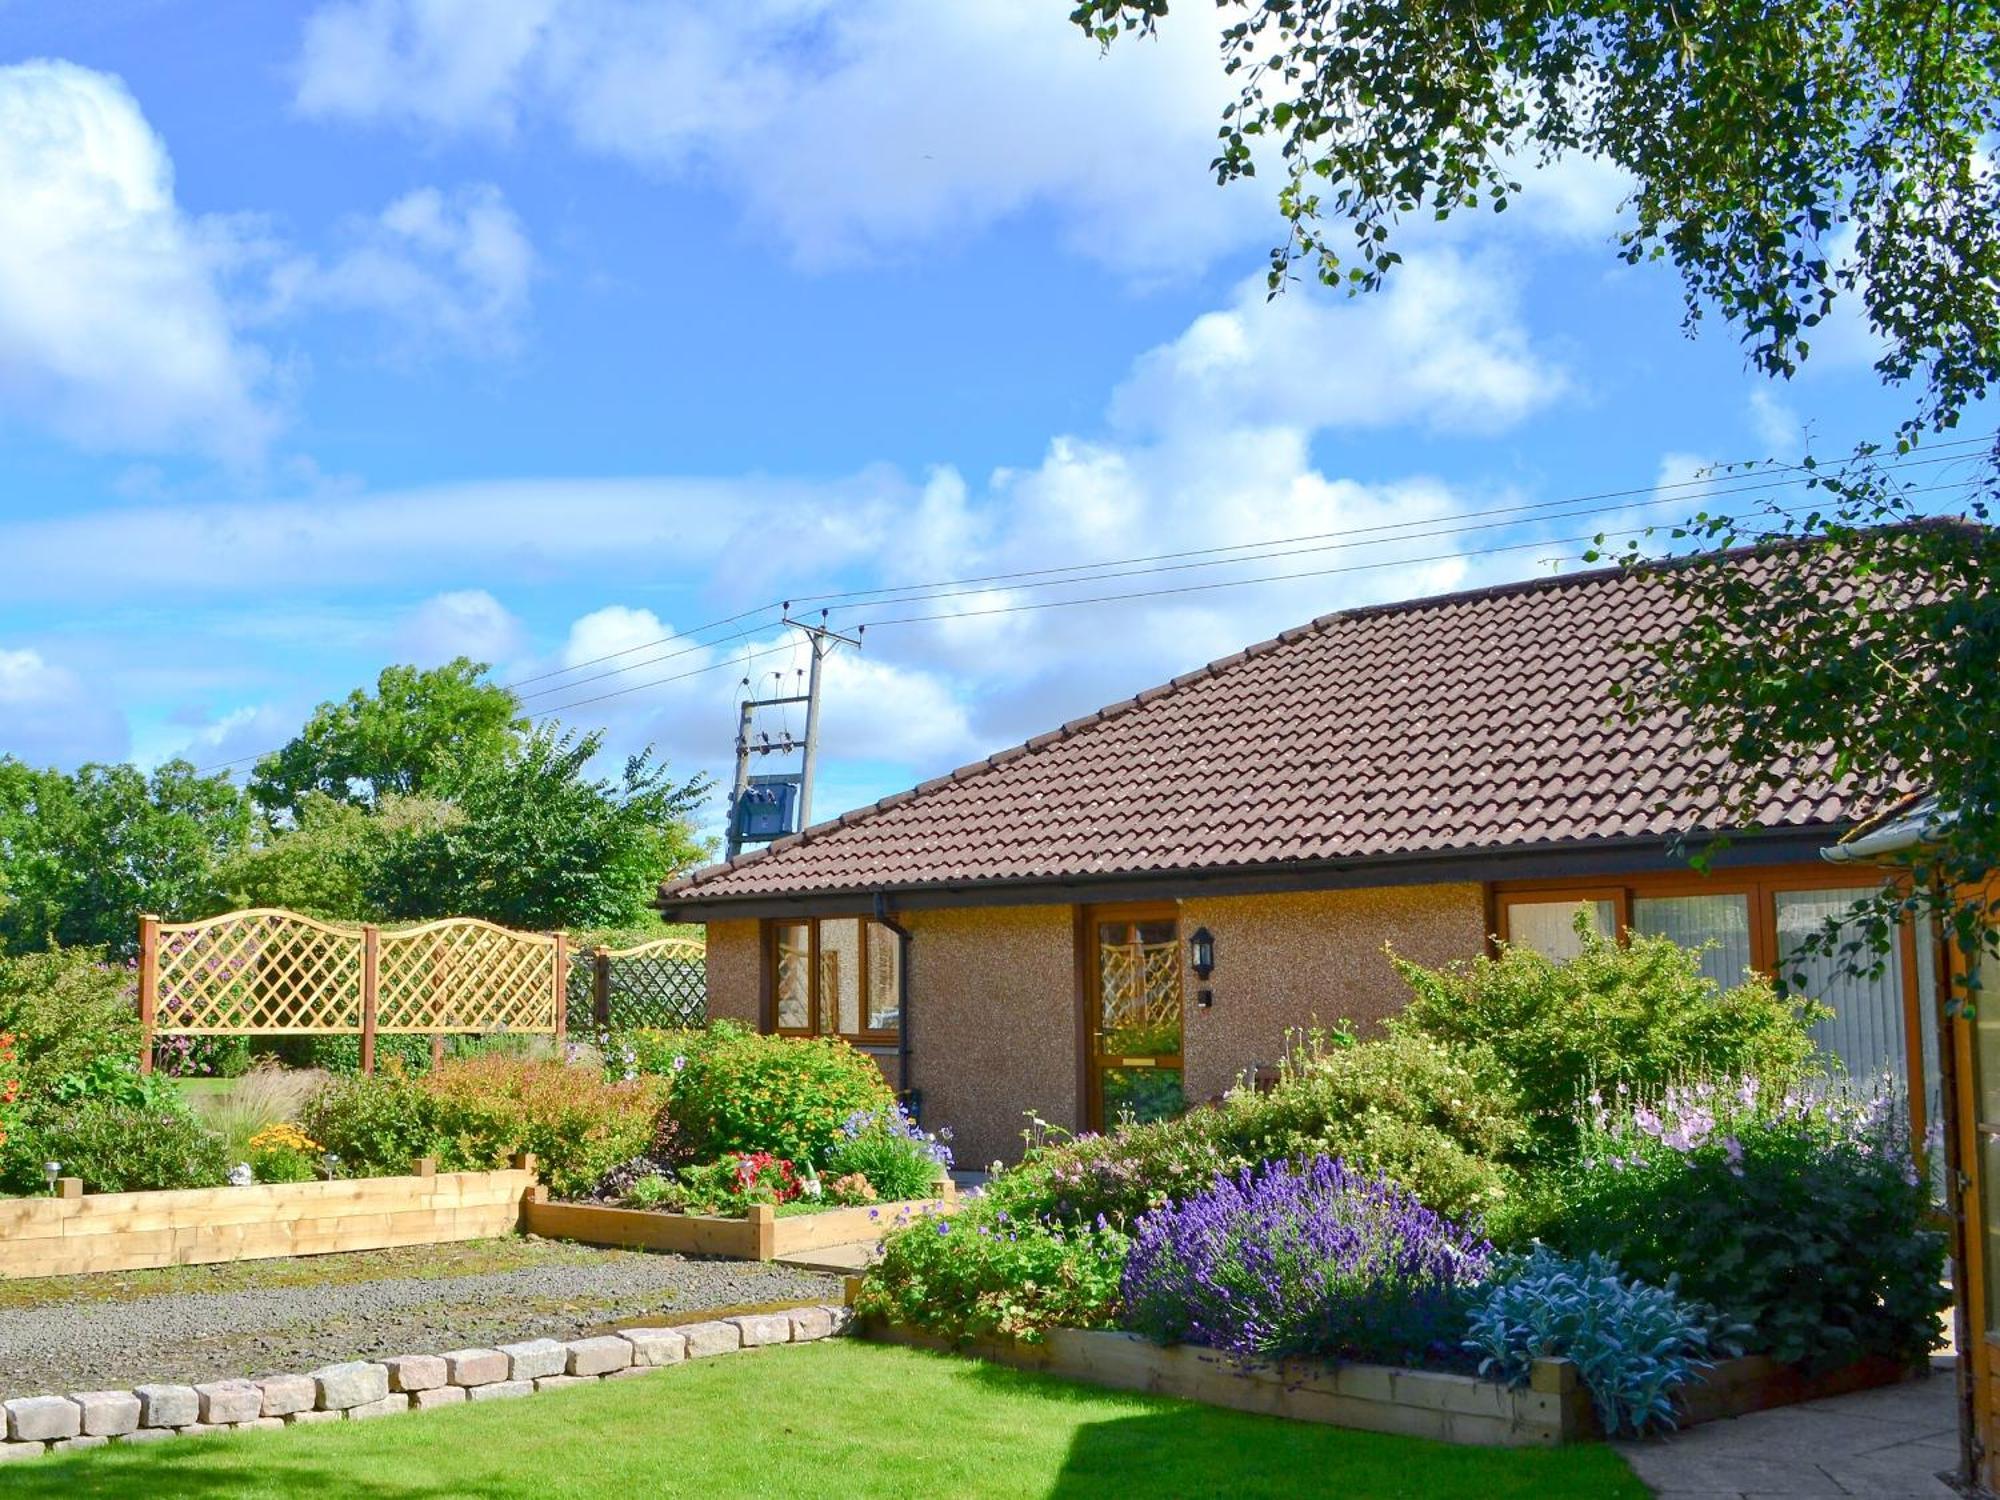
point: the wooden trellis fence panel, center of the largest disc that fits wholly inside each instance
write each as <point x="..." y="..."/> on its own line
<point x="663" y="983"/>
<point x="269" y="972"/>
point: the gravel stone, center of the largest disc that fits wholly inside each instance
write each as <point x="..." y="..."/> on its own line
<point x="353" y="1383"/>
<point x="599" y="1356"/>
<point x="415" y="1372"/>
<point x="34" y="1419"/>
<point x="107" y="1413"/>
<point x="230" y="1401"/>
<point x="535" y="1359"/>
<point x="93" y="1334"/>
<point x="500" y="1390"/>
<point x="704" y="1339"/>
<point x="285" y="1394"/>
<point x="656" y="1346"/>
<point x="167" y="1405"/>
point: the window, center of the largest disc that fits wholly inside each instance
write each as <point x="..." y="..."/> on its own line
<point x="1718" y="925"/>
<point x="1549" y="927"/>
<point x="836" y="976"/>
<point x="1867" y="1029"/>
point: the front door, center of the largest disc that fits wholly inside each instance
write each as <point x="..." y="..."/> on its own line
<point x="1134" y="1015"/>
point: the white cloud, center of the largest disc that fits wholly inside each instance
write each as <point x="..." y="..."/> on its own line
<point x="48" y="716"/>
<point x="444" y="269"/>
<point x="114" y="329"/>
<point x="1776" y="424"/>
<point x="464" y="622"/>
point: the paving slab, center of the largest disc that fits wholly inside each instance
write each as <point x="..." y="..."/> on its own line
<point x="835" y="1260"/>
<point x="1889" y="1444"/>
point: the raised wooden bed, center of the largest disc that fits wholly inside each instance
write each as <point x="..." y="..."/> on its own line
<point x="759" y="1235"/>
<point x="1553" y="1408"/>
<point x="73" y="1232"/>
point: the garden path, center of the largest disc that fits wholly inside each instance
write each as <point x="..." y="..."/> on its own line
<point x="1889" y="1444"/>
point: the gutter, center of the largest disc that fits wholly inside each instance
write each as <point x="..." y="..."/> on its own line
<point x="1911" y="827"/>
<point x="912" y="1100"/>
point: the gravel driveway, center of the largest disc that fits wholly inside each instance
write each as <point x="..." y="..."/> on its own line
<point x="267" y="1318"/>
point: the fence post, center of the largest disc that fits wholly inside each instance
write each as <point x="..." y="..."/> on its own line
<point x="562" y="989"/>
<point x="149" y="987"/>
<point x="600" y="987"/>
<point x="371" y="956"/>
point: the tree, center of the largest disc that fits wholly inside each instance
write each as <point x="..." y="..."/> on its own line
<point x="335" y="861"/>
<point x="1854" y="656"/>
<point x="81" y="855"/>
<point x="1782" y="153"/>
<point x="425" y="732"/>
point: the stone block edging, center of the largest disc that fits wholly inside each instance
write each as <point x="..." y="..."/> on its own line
<point x="357" y="1390"/>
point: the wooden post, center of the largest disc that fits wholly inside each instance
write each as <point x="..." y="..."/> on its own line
<point x="562" y="989"/>
<point x="764" y="1221"/>
<point x="600" y="987"/>
<point x="437" y="1048"/>
<point x="424" y="1166"/>
<point x="149" y="987"/>
<point x="69" y="1187"/>
<point x="371" y="957"/>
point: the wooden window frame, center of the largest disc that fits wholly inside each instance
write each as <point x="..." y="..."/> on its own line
<point x="815" y="1001"/>
<point x="1762" y="885"/>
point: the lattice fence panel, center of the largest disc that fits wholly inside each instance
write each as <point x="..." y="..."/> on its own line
<point x="258" y="971"/>
<point x="657" y="984"/>
<point x="463" y="974"/>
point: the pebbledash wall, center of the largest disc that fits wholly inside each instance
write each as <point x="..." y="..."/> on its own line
<point x="995" y="993"/>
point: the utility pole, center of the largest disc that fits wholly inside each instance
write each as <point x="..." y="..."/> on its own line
<point x="822" y="639"/>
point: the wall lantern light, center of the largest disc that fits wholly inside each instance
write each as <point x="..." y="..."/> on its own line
<point x="1201" y="952"/>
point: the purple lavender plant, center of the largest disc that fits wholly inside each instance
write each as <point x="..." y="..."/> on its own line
<point x="1317" y="1258"/>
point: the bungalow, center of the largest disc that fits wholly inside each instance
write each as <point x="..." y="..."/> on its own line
<point x="1130" y="911"/>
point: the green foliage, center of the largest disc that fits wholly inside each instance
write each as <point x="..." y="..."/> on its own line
<point x="419" y="732"/>
<point x="83" y="853"/>
<point x="735" y="1090"/>
<point x="1802" y="1220"/>
<point x="1756" y="139"/>
<point x="1640" y="1014"/>
<point x="67" y="1010"/>
<point x="984" y="1272"/>
<point x="342" y="1054"/>
<point x="114" y="1147"/>
<point x="337" y="860"/>
<point x="474" y="1114"/>
<point x="896" y="1163"/>
<point x="1848" y="666"/>
<point x="1441" y="1121"/>
<point x="654" y="1192"/>
<point x="115" y="1080"/>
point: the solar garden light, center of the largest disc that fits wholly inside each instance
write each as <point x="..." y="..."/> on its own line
<point x="51" y="1170"/>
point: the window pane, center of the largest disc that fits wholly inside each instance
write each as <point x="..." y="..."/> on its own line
<point x="1139" y="988"/>
<point x="885" y="968"/>
<point x="1549" y="927"/>
<point x="1693" y="921"/>
<point x="840" y="975"/>
<point x="1141" y="1095"/>
<point x="1866" y="1029"/>
<point x="792" y="945"/>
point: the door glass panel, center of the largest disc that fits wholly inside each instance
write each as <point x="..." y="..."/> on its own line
<point x="1866" y="1031"/>
<point x="1549" y="927"/>
<point x="885" y="972"/>
<point x="791" y="945"/>
<point x="840" y="976"/>
<point x="1139" y="989"/>
<point x="1141" y="1095"/>
<point x="1719" y="925"/>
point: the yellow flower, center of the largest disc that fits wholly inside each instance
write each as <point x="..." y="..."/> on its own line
<point x="282" y="1137"/>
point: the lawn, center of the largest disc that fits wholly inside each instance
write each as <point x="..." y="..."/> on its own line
<point x="827" y="1419"/>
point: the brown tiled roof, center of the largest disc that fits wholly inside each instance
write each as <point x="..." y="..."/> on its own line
<point x="1466" y="722"/>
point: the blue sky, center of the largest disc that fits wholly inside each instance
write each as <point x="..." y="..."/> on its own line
<point x="378" y="330"/>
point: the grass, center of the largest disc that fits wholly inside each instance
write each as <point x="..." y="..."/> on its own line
<point x="835" y="1418"/>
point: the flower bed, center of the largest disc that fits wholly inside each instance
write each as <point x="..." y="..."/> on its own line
<point x="758" y="1233"/>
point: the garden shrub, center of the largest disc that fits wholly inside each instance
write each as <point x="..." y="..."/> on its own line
<point x="115" y="1147"/>
<point x="283" y="1153"/>
<point x="1640" y="1014"/>
<point x="1800" y="1217"/>
<point x="66" y="1008"/>
<point x="1316" y="1259"/>
<point x="115" y="1080"/>
<point x="734" y="1090"/>
<point x="895" y="1155"/>
<point x="984" y="1273"/>
<point x="342" y="1054"/>
<point x="1634" y="1345"/>
<point x="376" y="1125"/>
<point x="578" y="1123"/>
<point x="1118" y="1176"/>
